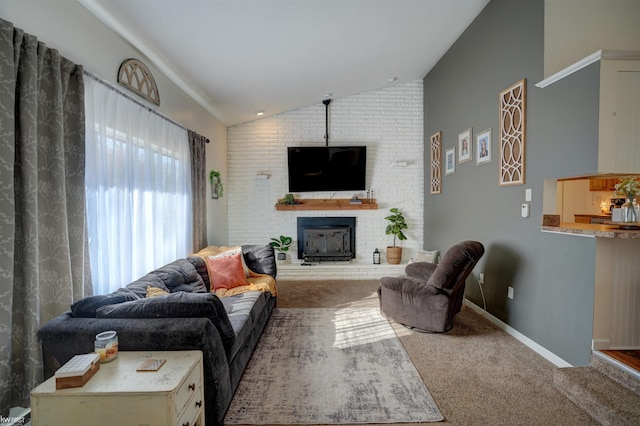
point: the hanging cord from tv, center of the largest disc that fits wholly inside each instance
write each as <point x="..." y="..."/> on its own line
<point x="326" y="103"/>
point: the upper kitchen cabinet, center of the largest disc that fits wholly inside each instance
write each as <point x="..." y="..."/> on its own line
<point x="619" y="135"/>
<point x="619" y="109"/>
<point x="603" y="184"/>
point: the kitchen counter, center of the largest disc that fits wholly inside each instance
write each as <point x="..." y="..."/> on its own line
<point x="593" y="230"/>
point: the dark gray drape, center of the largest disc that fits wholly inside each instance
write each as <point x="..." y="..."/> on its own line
<point x="197" y="147"/>
<point x="44" y="264"/>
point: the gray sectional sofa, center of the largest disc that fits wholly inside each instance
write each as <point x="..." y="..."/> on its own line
<point x="190" y="317"/>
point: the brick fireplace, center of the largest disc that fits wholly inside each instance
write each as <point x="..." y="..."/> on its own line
<point x="257" y="177"/>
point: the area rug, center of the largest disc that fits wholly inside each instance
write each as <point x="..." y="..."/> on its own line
<point x="330" y="366"/>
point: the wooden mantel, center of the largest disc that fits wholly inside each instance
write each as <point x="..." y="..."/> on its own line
<point x="328" y="204"/>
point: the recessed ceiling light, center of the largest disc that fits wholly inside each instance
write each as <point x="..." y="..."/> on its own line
<point x="393" y="79"/>
<point x="260" y="113"/>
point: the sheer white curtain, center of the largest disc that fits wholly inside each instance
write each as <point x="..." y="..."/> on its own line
<point x="138" y="188"/>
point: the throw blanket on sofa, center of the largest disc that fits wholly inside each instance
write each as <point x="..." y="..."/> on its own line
<point x="240" y="282"/>
<point x="257" y="282"/>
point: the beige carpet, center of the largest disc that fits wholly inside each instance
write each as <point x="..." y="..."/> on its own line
<point x="330" y="366"/>
<point x="476" y="373"/>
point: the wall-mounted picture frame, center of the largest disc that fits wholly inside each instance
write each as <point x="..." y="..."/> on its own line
<point x="465" y="146"/>
<point x="436" y="162"/>
<point x="512" y="134"/>
<point x="450" y="161"/>
<point x="483" y="147"/>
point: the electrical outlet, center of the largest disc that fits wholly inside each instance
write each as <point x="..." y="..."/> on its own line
<point x="510" y="292"/>
<point x="481" y="278"/>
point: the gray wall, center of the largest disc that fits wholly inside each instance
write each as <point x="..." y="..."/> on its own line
<point x="552" y="275"/>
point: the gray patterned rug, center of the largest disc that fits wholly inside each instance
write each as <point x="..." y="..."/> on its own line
<point x="330" y="366"/>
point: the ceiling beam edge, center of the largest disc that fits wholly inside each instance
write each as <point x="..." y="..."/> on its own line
<point x="110" y="21"/>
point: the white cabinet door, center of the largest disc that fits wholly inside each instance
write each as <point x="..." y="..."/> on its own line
<point x="619" y="146"/>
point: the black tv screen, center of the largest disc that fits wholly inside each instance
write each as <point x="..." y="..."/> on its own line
<point x="327" y="168"/>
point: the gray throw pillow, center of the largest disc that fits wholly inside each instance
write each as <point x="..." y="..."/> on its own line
<point x="260" y="259"/>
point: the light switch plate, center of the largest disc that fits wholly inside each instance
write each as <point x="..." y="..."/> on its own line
<point x="527" y="194"/>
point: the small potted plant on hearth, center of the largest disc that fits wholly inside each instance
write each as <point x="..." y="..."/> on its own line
<point x="395" y="227"/>
<point x="281" y="245"/>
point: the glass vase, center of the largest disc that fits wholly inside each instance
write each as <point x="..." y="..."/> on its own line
<point x="630" y="211"/>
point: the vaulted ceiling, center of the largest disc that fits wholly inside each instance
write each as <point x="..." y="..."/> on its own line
<point x="239" y="57"/>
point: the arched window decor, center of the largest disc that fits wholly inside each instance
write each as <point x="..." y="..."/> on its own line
<point x="135" y="76"/>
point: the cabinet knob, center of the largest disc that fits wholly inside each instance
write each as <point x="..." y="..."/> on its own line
<point x="186" y="424"/>
<point x="199" y="404"/>
<point x="192" y="386"/>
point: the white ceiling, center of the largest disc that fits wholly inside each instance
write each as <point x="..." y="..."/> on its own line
<point x="237" y="57"/>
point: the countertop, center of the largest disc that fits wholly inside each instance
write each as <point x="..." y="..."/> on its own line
<point x="593" y="230"/>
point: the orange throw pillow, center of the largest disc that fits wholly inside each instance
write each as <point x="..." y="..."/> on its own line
<point x="226" y="271"/>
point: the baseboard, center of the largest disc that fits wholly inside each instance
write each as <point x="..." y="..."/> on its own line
<point x="540" y="350"/>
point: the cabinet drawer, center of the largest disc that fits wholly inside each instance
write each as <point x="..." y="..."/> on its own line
<point x="580" y="218"/>
<point x="188" y="388"/>
<point x="194" y="410"/>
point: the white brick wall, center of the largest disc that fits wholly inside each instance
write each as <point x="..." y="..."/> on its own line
<point x="388" y="121"/>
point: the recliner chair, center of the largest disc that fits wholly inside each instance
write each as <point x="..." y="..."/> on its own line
<point x="429" y="295"/>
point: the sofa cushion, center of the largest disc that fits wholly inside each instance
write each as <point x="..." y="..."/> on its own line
<point x="177" y="305"/>
<point x="201" y="267"/>
<point x="260" y="259"/>
<point x="87" y="306"/>
<point x="243" y="310"/>
<point x="179" y="275"/>
<point x="226" y="271"/>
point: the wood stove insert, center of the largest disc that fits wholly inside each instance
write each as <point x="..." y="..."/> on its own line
<point x="326" y="238"/>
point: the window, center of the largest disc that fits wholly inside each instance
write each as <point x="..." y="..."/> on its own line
<point x="138" y="188"/>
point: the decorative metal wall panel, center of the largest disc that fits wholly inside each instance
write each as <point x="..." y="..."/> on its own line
<point x="436" y="162"/>
<point x="135" y="76"/>
<point x="513" y="101"/>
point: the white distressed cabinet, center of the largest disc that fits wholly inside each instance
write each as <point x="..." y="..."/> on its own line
<point x="118" y="394"/>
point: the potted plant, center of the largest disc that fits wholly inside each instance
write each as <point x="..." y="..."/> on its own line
<point x="288" y="199"/>
<point x="281" y="245"/>
<point x="396" y="224"/>
<point x="216" y="184"/>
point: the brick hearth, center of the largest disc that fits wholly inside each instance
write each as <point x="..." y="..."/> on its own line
<point x="337" y="271"/>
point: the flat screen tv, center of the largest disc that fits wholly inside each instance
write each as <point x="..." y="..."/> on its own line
<point x="327" y="168"/>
